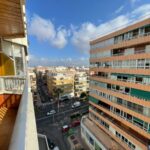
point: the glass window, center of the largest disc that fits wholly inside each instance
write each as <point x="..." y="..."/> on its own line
<point x="119" y="101"/>
<point x="147" y="29"/>
<point x="127" y="90"/>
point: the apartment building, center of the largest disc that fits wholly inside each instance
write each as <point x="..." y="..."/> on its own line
<point x="17" y="120"/>
<point x="119" y="112"/>
<point x="33" y="79"/>
<point x="81" y="83"/>
<point x="61" y="80"/>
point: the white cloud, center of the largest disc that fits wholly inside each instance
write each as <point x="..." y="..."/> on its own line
<point x="133" y="1"/>
<point x="44" y="30"/>
<point x="36" y="61"/>
<point x="119" y="9"/>
<point x="88" y="31"/>
<point x="60" y="40"/>
<point x="143" y="10"/>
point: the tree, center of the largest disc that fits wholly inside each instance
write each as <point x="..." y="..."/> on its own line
<point x="83" y="95"/>
<point x="57" y="92"/>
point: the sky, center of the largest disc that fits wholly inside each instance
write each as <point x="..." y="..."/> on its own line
<point x="59" y="31"/>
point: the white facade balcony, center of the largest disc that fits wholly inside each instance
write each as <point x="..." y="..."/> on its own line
<point x="20" y="119"/>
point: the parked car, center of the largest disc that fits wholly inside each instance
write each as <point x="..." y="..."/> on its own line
<point x="75" y="124"/>
<point x="56" y="148"/>
<point x="51" y="112"/>
<point x="65" y="128"/>
<point x="76" y="104"/>
<point x="50" y="144"/>
<point x="51" y="100"/>
<point x="64" y="98"/>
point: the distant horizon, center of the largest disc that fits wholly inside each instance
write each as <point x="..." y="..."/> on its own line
<point x="59" y="66"/>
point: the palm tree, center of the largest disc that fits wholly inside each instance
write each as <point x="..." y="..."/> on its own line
<point x="57" y="92"/>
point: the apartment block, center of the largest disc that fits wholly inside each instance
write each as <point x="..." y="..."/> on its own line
<point x="119" y="112"/>
<point x="17" y="121"/>
<point x="33" y="80"/>
<point x="81" y="83"/>
<point x="61" y="80"/>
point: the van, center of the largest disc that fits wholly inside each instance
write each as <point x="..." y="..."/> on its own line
<point x="76" y="104"/>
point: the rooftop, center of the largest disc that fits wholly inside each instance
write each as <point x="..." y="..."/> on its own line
<point x="118" y="32"/>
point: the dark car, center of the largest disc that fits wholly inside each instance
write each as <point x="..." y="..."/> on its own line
<point x="50" y="144"/>
<point x="75" y="124"/>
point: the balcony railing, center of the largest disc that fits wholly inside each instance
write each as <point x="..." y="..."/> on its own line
<point x="24" y="136"/>
<point x="12" y="84"/>
<point x="112" y="120"/>
<point x="123" y="80"/>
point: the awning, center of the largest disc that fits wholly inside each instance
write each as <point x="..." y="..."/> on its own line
<point x="12" y="22"/>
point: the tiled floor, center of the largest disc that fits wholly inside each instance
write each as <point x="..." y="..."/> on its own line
<point x="7" y="120"/>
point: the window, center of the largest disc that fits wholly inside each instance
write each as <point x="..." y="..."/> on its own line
<point x="126" y="140"/>
<point x="119" y="101"/>
<point x="91" y="141"/>
<point x="147" y="29"/>
<point x="140" y="63"/>
<point x="118" y="77"/>
<point x="129" y="117"/>
<point x="122" y="138"/>
<point x="117" y="111"/>
<point x="135" y="33"/>
<point x="109" y="86"/>
<point x="139" y="49"/>
<point x="129" y="104"/>
<point x="117" y="87"/>
<point x="127" y="90"/>
<point x="139" y="79"/>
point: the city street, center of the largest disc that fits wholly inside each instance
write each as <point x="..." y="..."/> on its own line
<point x="51" y="125"/>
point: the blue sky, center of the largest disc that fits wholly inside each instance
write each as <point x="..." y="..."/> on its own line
<point x="59" y="31"/>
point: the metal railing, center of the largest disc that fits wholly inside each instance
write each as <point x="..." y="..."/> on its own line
<point x="123" y="80"/>
<point x="24" y="136"/>
<point x="13" y="84"/>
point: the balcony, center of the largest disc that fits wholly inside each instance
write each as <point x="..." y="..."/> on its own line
<point x="11" y="84"/>
<point x="100" y="135"/>
<point x="124" y="81"/>
<point x="125" y="118"/>
<point x="118" y="125"/>
<point x="17" y="120"/>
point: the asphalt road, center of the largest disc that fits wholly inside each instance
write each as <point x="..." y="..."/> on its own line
<point x="63" y="114"/>
<point x="51" y="125"/>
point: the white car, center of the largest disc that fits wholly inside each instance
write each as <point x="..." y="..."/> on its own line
<point x="56" y="148"/>
<point x="76" y="104"/>
<point x="51" y="112"/>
